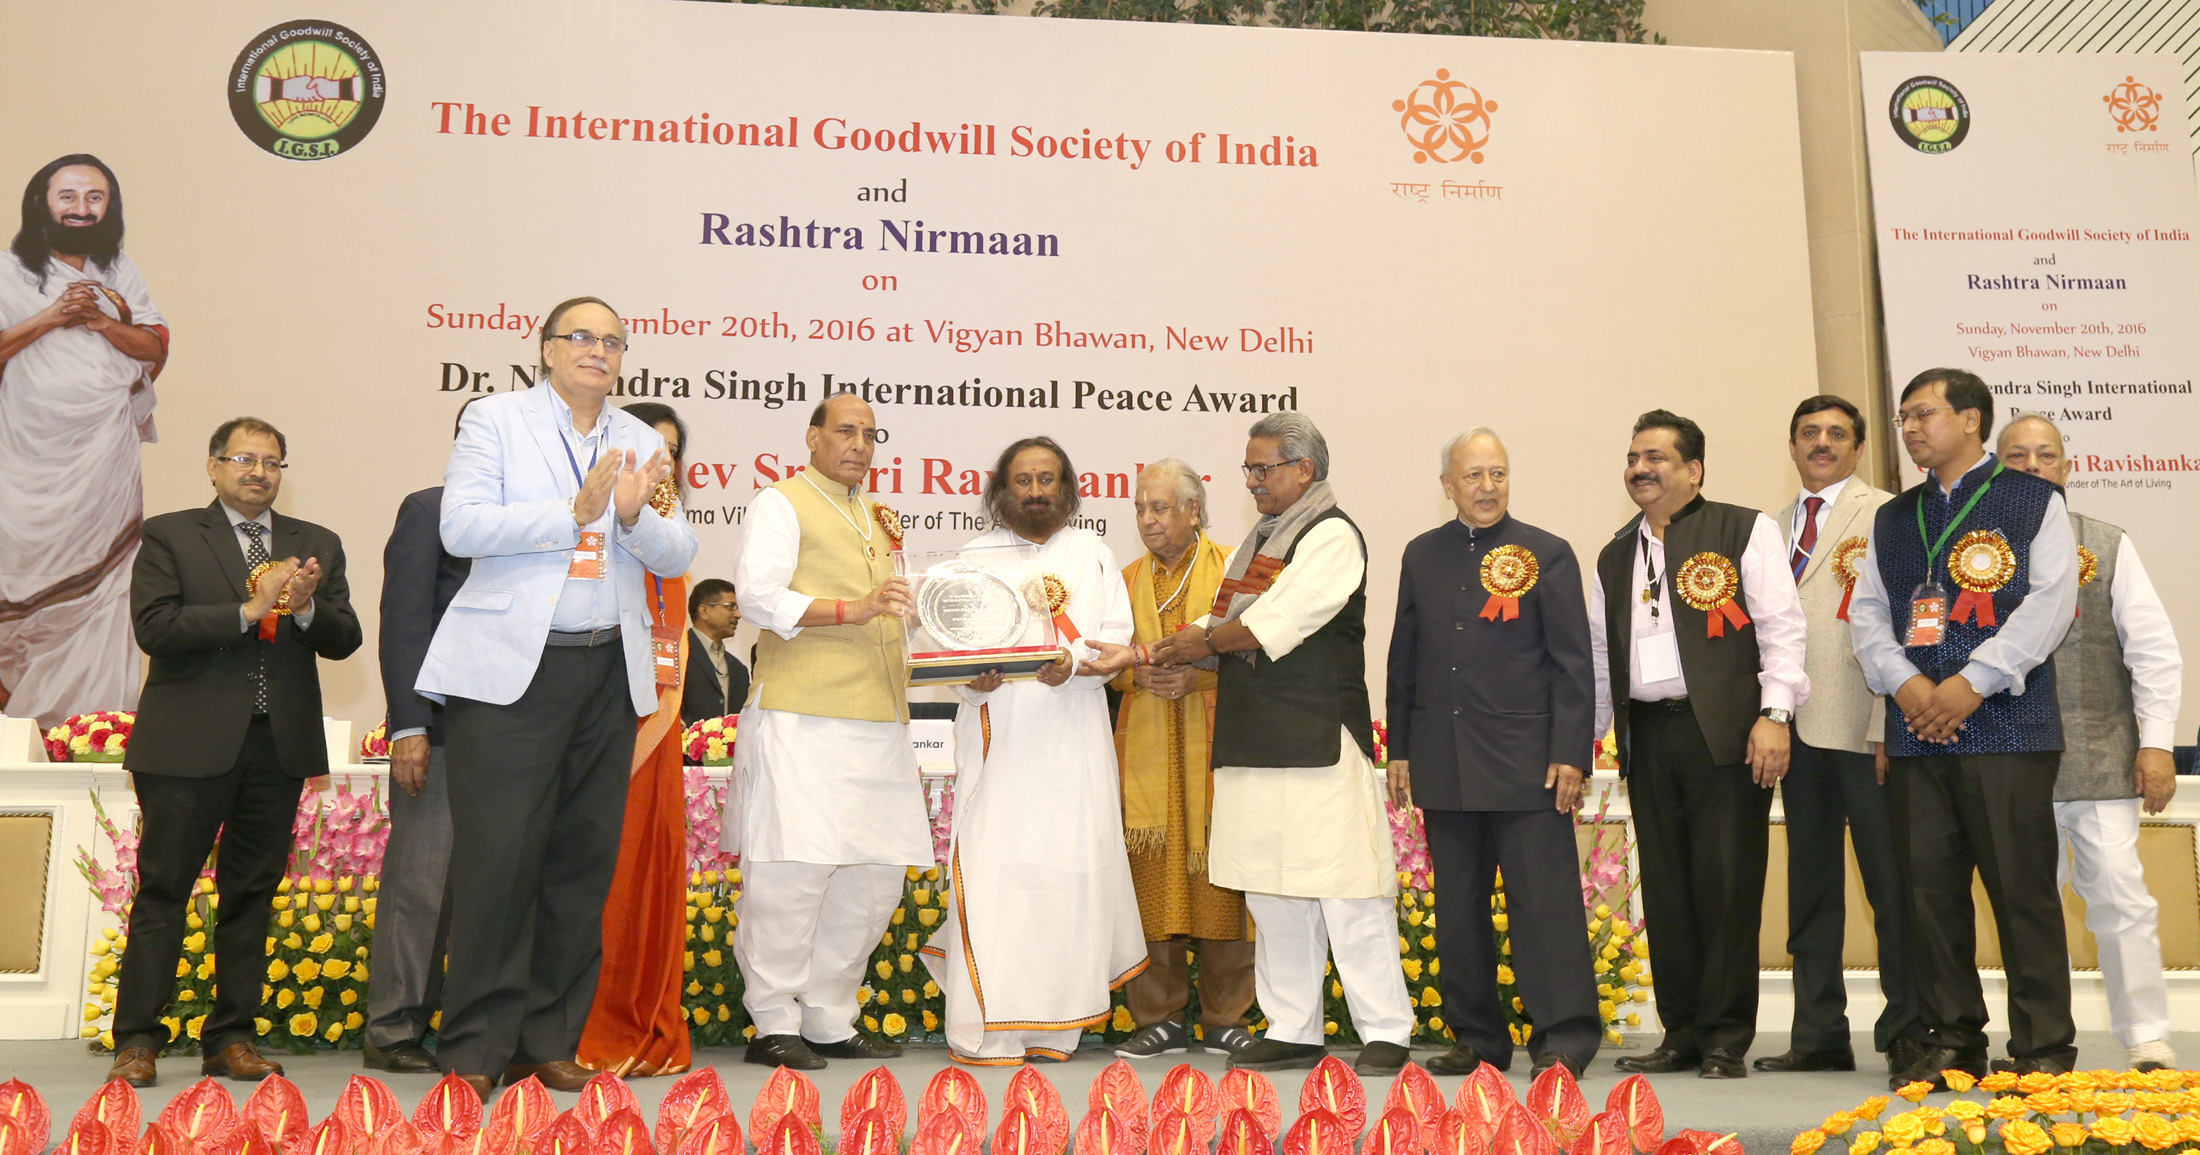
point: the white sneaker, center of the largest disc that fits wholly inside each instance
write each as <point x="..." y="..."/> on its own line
<point x="2152" y="1055"/>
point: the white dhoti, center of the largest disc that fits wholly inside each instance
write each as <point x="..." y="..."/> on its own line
<point x="1311" y="849"/>
<point x="2100" y="860"/>
<point x="73" y="410"/>
<point x="1043" y="919"/>
<point x="827" y="815"/>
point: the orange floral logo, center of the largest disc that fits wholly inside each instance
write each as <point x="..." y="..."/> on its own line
<point x="2136" y="107"/>
<point x="1445" y="120"/>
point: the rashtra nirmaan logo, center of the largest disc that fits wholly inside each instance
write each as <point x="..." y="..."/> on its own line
<point x="1929" y="114"/>
<point x="306" y="90"/>
<point x="1445" y="120"/>
<point x="2136" y="107"/>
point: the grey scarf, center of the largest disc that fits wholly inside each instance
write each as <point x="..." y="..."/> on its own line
<point x="1272" y="537"/>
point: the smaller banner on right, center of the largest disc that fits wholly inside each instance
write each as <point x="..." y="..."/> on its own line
<point x="2037" y="223"/>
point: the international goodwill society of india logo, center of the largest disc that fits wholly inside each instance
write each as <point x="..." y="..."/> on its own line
<point x="306" y="90"/>
<point x="1445" y="120"/>
<point x="1929" y="114"/>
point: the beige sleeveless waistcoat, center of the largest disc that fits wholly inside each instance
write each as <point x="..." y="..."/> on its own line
<point x="850" y="671"/>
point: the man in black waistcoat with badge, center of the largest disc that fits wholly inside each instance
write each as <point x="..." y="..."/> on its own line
<point x="1968" y="587"/>
<point x="1697" y="635"/>
<point x="1492" y="696"/>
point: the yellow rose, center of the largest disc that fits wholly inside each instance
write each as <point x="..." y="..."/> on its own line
<point x="303" y="1025"/>
<point x="1998" y="1082"/>
<point x="349" y="996"/>
<point x="276" y="969"/>
<point x="929" y="916"/>
<point x="906" y="963"/>
<point x="1936" y="1147"/>
<point x="359" y="972"/>
<point x="898" y="917"/>
<point x="2019" y="1137"/>
<point x="1431" y="997"/>
<point x="707" y="934"/>
<point x="285" y="997"/>
<point x="702" y="1017"/>
<point x="1330" y="1027"/>
<point x="262" y="1026"/>
<point x="909" y="994"/>
<point x="2035" y="1082"/>
<point x="183" y="968"/>
<point x="894" y="1024"/>
<point x="1807" y="1143"/>
<point x="354" y="1021"/>
<point x="2111" y="1103"/>
<point x="2006" y="1107"/>
<point x="714" y="914"/>
<point x="714" y="958"/>
<point x="1967" y="1110"/>
<point x="335" y="1031"/>
<point x="321" y="943"/>
<point x="1865" y="1143"/>
<point x="2188" y="1128"/>
<point x="307" y="971"/>
<point x="1904" y="1129"/>
<point x="1958" y="1081"/>
<point x="186" y="996"/>
<point x="2114" y="1131"/>
<point x="1501" y="921"/>
<point x="337" y="968"/>
<point x="885" y="970"/>
<point x="931" y="1021"/>
<point x="2080" y="1100"/>
<point x="2068" y="1134"/>
<point x="1505" y="976"/>
<point x="1837" y="1123"/>
<point x="2154" y="1132"/>
<point x="2048" y="1103"/>
<point x="1870" y="1108"/>
<point x="314" y="995"/>
<point x="343" y="922"/>
<point x="1413" y="969"/>
<point x="870" y="1024"/>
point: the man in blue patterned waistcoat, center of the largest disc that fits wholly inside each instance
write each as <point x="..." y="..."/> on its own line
<point x="1968" y="587"/>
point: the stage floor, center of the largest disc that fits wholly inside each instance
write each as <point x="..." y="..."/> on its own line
<point x="1766" y="1110"/>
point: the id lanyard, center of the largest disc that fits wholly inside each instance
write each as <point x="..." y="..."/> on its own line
<point x="1929" y="601"/>
<point x="1650" y="585"/>
<point x="1932" y="547"/>
<point x="596" y="451"/>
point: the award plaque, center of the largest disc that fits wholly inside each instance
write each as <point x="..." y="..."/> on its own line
<point x="978" y="610"/>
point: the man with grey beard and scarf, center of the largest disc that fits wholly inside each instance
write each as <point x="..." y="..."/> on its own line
<point x="1299" y="824"/>
<point x="80" y="345"/>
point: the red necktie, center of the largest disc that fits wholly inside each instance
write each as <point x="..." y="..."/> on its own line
<point x="1809" y="540"/>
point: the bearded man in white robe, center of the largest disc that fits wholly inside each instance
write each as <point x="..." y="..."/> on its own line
<point x="80" y="345"/>
<point x="1044" y="918"/>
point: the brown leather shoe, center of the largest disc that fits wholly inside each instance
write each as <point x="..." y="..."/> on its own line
<point x="483" y="1085"/>
<point x="563" y="1075"/>
<point x="134" y="1065"/>
<point x="240" y="1061"/>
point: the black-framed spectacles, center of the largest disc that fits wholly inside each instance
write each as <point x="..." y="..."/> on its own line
<point x="1259" y="473"/>
<point x="583" y="339"/>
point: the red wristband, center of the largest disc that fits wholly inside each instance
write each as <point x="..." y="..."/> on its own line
<point x="840" y="612"/>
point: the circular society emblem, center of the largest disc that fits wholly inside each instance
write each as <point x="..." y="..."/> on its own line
<point x="306" y="90"/>
<point x="1929" y="114"/>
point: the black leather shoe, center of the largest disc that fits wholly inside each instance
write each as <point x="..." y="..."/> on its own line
<point x="855" y="1046"/>
<point x="1663" y="1061"/>
<point x="1272" y="1055"/>
<point x="1932" y="1062"/>
<point x="1720" y="1064"/>
<point x="1381" y="1059"/>
<point x="1842" y="1059"/>
<point x="406" y="1058"/>
<point x="1904" y="1053"/>
<point x="1461" y="1060"/>
<point x="782" y="1051"/>
<point x="1546" y="1062"/>
<point x="2046" y="1064"/>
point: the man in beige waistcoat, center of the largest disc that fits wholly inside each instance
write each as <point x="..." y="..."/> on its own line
<point x="827" y="807"/>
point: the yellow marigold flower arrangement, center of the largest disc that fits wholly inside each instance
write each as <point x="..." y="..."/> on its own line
<point x="2019" y="1137"/>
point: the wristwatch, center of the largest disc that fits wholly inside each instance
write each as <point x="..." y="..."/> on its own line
<point x="1783" y="717"/>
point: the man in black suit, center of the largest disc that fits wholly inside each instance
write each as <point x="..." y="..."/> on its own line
<point x="228" y="729"/>
<point x="1491" y="701"/>
<point x="418" y="580"/>
<point x="717" y="683"/>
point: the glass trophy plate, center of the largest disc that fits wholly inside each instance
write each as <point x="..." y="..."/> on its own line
<point x="977" y="609"/>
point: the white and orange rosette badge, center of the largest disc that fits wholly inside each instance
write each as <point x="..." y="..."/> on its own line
<point x="665" y="499"/>
<point x="1508" y="573"/>
<point x="2089" y="566"/>
<point x="1709" y="582"/>
<point x="282" y="600"/>
<point x="1057" y="595"/>
<point x="1981" y="564"/>
<point x="1846" y="557"/>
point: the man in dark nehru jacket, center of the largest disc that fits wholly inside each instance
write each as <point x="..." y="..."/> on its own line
<point x="1698" y="639"/>
<point x="1968" y="586"/>
<point x="1492" y="696"/>
<point x="228" y="731"/>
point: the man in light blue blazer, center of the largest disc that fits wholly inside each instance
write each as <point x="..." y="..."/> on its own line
<point x="544" y="660"/>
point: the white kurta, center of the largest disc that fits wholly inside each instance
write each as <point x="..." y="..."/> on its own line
<point x="835" y="791"/>
<point x="1043" y="920"/>
<point x="73" y="409"/>
<point x="1304" y="832"/>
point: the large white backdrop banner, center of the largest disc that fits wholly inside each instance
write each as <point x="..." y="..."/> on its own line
<point x="1132" y="237"/>
<point x="2038" y="225"/>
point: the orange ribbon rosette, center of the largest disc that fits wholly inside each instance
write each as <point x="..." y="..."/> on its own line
<point x="282" y="600"/>
<point x="1057" y="594"/>
<point x="1508" y="572"/>
<point x="1846" y="557"/>
<point x="665" y="499"/>
<point x="1981" y="564"/>
<point x="2089" y="566"/>
<point x="1709" y="582"/>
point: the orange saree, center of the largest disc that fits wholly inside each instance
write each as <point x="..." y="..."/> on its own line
<point x="636" y="1026"/>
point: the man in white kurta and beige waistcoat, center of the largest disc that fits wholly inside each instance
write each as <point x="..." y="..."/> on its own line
<point x="827" y="809"/>
<point x="2120" y="678"/>
<point x="1299" y="824"/>
<point x="80" y="345"/>
<point x="1042" y="922"/>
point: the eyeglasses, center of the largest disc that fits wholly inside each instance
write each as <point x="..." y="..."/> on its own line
<point x="734" y="606"/>
<point x="1259" y="473"/>
<point x="1919" y="415"/>
<point x="251" y="464"/>
<point x="583" y="339"/>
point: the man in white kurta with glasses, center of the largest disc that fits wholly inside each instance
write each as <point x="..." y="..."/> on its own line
<point x="827" y="809"/>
